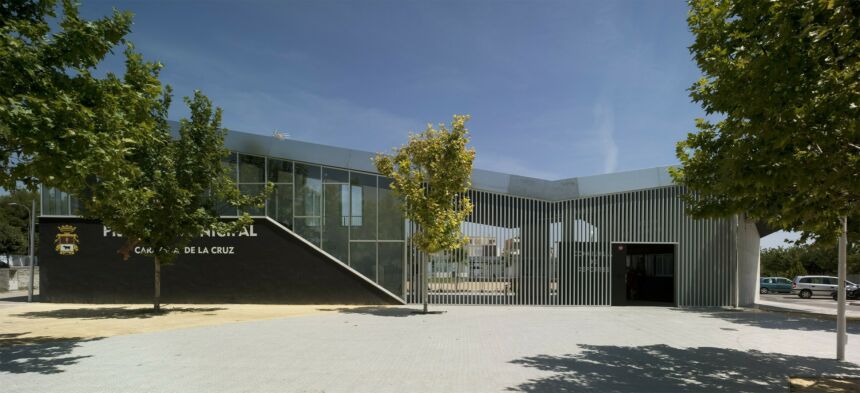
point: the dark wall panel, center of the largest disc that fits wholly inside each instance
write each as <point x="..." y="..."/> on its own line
<point x="271" y="267"/>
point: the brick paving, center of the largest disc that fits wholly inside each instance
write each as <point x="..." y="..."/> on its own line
<point x="465" y="349"/>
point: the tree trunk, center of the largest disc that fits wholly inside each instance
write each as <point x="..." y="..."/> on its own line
<point x="841" y="337"/>
<point x="157" y="300"/>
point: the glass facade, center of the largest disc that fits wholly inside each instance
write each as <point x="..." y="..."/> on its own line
<point x="280" y="203"/>
<point x="391" y="222"/>
<point x="362" y="256"/>
<point x="252" y="169"/>
<point x="364" y="197"/>
<point x="335" y="227"/>
<point x="55" y="203"/>
<point x="390" y="268"/>
<point x="308" y="202"/>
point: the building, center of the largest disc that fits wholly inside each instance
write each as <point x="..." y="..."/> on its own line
<point x="512" y="247"/>
<point x="481" y="246"/>
<point x="610" y="239"/>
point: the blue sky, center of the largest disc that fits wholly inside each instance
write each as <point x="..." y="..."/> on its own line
<point x="556" y="89"/>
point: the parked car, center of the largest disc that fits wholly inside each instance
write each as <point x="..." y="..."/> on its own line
<point x="852" y="291"/>
<point x="809" y="286"/>
<point x="774" y="285"/>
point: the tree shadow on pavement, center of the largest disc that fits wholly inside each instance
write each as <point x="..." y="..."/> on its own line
<point x="778" y="320"/>
<point x="660" y="368"/>
<point x="377" y="311"/>
<point x="43" y="355"/>
<point x="113" y="312"/>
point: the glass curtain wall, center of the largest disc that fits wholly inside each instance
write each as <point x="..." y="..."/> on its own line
<point x="353" y="216"/>
<point x="280" y="204"/>
<point x="335" y="231"/>
<point x="55" y="203"/>
<point x="363" y="234"/>
<point x="231" y="163"/>
<point x="308" y="202"/>
<point x="392" y="226"/>
<point x="252" y="180"/>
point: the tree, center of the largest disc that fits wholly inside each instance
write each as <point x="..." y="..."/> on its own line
<point x="430" y="175"/>
<point x="172" y="199"/>
<point x="797" y="260"/>
<point x="781" y="85"/>
<point x="60" y="125"/>
<point x="15" y="222"/>
<point x="14" y="225"/>
<point x="106" y="141"/>
<point x="782" y="262"/>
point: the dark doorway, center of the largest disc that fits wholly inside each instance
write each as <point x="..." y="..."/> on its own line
<point x="643" y="274"/>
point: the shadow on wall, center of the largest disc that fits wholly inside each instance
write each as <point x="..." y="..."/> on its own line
<point x="43" y="355"/>
<point x="660" y="368"/>
<point x="113" y="312"/>
<point x="778" y="320"/>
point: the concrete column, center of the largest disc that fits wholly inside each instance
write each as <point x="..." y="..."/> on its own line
<point x="749" y="267"/>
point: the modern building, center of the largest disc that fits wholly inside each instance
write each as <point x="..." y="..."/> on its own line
<point x="613" y="239"/>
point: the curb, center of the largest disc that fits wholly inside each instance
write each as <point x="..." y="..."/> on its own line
<point x="806" y="313"/>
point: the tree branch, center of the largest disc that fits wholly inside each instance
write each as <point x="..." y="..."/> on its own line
<point x="125" y="250"/>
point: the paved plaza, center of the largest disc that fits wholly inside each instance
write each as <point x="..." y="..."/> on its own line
<point x="464" y="349"/>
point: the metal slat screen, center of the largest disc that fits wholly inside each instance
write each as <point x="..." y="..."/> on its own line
<point x="530" y="252"/>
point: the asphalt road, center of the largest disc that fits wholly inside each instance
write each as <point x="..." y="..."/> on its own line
<point x="818" y="301"/>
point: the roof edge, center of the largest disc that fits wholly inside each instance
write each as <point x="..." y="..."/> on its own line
<point x="482" y="179"/>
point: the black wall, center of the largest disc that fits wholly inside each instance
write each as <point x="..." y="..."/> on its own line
<point x="272" y="267"/>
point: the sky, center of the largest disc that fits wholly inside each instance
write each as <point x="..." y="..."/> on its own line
<point x="556" y="89"/>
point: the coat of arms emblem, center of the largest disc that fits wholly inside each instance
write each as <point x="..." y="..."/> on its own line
<point x="67" y="240"/>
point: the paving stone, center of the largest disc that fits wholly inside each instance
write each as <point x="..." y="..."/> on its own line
<point x="465" y="349"/>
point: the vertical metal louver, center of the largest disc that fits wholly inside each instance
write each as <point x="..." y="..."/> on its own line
<point x="526" y="251"/>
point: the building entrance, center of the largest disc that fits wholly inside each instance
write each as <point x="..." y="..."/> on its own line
<point x="643" y="274"/>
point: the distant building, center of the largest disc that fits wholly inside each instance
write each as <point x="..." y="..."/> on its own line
<point x="481" y="246"/>
<point x="512" y="247"/>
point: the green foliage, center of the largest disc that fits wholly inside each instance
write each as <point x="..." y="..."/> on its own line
<point x="805" y="259"/>
<point x="106" y="140"/>
<point x="59" y="125"/>
<point x="430" y="176"/>
<point x="15" y="222"/>
<point x="172" y="199"/>
<point x="781" y="85"/>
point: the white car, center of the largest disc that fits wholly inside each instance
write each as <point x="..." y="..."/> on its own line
<point x="809" y="286"/>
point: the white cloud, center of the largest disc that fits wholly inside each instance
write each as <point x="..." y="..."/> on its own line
<point x="281" y="104"/>
<point x="314" y="118"/>
<point x="505" y="164"/>
<point x="604" y="119"/>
